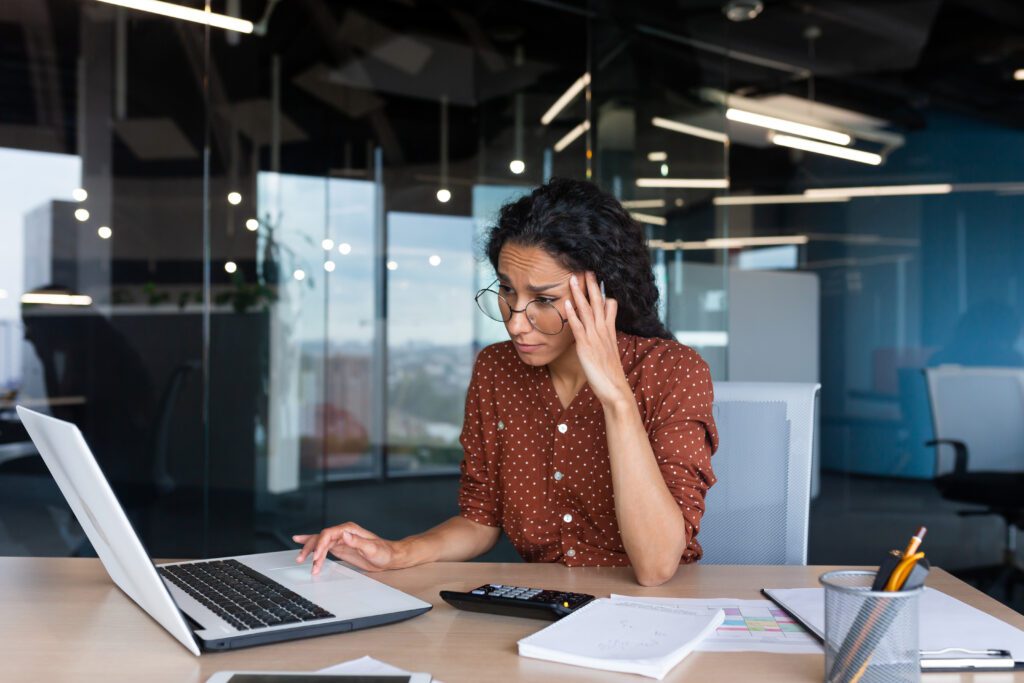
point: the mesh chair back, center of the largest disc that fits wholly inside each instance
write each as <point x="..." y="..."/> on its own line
<point x="984" y="408"/>
<point x="757" y="512"/>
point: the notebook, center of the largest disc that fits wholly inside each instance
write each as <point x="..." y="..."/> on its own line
<point x="631" y="637"/>
<point x="946" y="624"/>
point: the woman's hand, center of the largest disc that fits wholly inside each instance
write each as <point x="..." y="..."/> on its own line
<point x="593" y="325"/>
<point x="353" y="544"/>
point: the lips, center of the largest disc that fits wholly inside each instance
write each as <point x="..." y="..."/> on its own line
<point x="527" y="348"/>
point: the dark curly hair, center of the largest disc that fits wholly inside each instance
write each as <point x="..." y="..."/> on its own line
<point x="586" y="229"/>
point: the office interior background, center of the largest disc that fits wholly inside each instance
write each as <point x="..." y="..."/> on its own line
<point x="244" y="263"/>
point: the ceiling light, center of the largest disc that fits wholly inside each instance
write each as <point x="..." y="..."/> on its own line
<point x="687" y="129"/>
<point x="252" y="225"/>
<point x="392" y="265"/>
<point x="444" y="195"/>
<point x="169" y="9"/>
<point x="643" y="204"/>
<point x="344" y="248"/>
<point x="741" y="242"/>
<point x="234" y="198"/>
<point x="880" y="190"/>
<point x="104" y="232"/>
<point x="648" y="218"/>
<point x="299" y="274"/>
<point x="703" y="183"/>
<point x="327" y="244"/>
<point x="517" y="166"/>
<point x="329" y="266"/>
<point x="82" y="214"/>
<point x="664" y="170"/>
<point x="750" y="200"/>
<point x="567" y="97"/>
<point x="434" y="260"/>
<point x="1018" y="75"/>
<point x="571" y="136"/>
<point x="827" y="149"/>
<point x="56" y="299"/>
<point x="230" y="267"/>
<point x="657" y="156"/>
<point x="79" y="194"/>
<point x="786" y="126"/>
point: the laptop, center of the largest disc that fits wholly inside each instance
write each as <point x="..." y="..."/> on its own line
<point x="219" y="604"/>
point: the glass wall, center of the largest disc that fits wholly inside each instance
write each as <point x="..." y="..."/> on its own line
<point x="244" y="263"/>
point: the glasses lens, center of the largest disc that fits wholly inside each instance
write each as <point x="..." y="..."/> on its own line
<point x="492" y="305"/>
<point x="545" y="317"/>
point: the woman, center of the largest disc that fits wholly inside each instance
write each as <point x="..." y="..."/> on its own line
<point x="588" y="436"/>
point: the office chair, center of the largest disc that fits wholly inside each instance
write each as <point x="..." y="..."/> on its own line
<point x="978" y="422"/>
<point x="757" y="512"/>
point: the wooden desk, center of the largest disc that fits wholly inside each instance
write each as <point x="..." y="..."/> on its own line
<point x="63" y="620"/>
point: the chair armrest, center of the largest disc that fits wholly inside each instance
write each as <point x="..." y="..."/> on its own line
<point x="960" y="460"/>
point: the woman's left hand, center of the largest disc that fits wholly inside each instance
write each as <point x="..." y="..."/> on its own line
<point x="593" y="325"/>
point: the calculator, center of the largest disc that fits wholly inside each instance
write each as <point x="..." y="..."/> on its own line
<point x="518" y="601"/>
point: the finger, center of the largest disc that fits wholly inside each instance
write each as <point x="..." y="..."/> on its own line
<point x="346" y="554"/>
<point x="611" y="309"/>
<point x="328" y="537"/>
<point x="574" y="322"/>
<point x="594" y="294"/>
<point x="583" y="308"/>
<point x="366" y="547"/>
<point x="301" y="538"/>
<point x="307" y="547"/>
<point x="357" y="530"/>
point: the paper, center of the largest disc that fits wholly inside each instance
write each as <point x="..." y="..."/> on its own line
<point x="367" y="666"/>
<point x="634" y="637"/>
<point x="944" y="621"/>
<point x="749" y="626"/>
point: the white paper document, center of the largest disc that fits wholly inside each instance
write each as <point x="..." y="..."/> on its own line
<point x="945" y="622"/>
<point x="749" y="625"/>
<point x="633" y="637"/>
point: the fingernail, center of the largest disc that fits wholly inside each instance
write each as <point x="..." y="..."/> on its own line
<point x="568" y="304"/>
<point x="574" y="280"/>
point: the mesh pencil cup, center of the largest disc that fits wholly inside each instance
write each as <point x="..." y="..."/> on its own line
<point x="870" y="636"/>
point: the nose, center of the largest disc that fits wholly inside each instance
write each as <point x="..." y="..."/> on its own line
<point x="518" y="324"/>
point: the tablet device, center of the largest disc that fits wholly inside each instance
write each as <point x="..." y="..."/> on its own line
<point x="313" y="677"/>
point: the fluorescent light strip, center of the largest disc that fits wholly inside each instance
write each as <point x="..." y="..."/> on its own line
<point x="657" y="156"/>
<point x="705" y="183"/>
<point x="169" y="9"/>
<point x="687" y="129"/>
<point x="56" y="299"/>
<point x="786" y="126"/>
<point x="567" y="97"/>
<point x="648" y="218"/>
<point x="701" y="338"/>
<point x="643" y="204"/>
<point x="571" y="136"/>
<point x="827" y="149"/>
<point x="740" y="242"/>
<point x="741" y="200"/>
<point x="880" y="190"/>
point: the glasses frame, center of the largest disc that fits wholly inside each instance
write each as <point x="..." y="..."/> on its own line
<point x="513" y="311"/>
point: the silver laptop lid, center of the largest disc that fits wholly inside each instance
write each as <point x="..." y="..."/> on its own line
<point x="91" y="499"/>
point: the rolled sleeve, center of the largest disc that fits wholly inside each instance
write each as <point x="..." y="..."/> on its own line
<point x="478" y="486"/>
<point x="683" y="438"/>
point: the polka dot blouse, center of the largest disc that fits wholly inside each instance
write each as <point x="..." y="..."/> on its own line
<point x="541" y="472"/>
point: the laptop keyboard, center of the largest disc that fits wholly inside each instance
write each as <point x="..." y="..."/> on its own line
<point x="242" y="596"/>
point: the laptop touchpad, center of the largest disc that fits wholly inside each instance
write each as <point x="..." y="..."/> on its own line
<point x="302" y="575"/>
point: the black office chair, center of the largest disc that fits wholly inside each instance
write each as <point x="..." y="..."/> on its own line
<point x="979" y="414"/>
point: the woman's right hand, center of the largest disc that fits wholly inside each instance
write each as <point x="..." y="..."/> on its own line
<point x="351" y="543"/>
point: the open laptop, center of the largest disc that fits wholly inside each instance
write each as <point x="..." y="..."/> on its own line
<point x="212" y="604"/>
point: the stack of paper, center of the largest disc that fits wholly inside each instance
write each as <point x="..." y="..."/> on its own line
<point x="632" y="637"/>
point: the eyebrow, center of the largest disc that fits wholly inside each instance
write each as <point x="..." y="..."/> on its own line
<point x="532" y="288"/>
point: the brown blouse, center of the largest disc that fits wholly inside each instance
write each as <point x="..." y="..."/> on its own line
<point x="541" y="471"/>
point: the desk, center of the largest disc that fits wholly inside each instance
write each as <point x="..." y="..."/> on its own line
<point x="63" y="620"/>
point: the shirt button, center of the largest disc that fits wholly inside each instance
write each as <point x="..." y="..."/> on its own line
<point x="566" y="517"/>
<point x="563" y="428"/>
<point x="570" y="553"/>
<point x="501" y="425"/>
<point x="558" y="476"/>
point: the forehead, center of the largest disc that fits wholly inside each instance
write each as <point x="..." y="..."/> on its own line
<point x="530" y="263"/>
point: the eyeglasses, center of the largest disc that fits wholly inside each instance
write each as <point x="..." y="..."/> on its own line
<point x="543" y="315"/>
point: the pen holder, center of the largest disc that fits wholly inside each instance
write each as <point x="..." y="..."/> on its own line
<point x="870" y="636"/>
